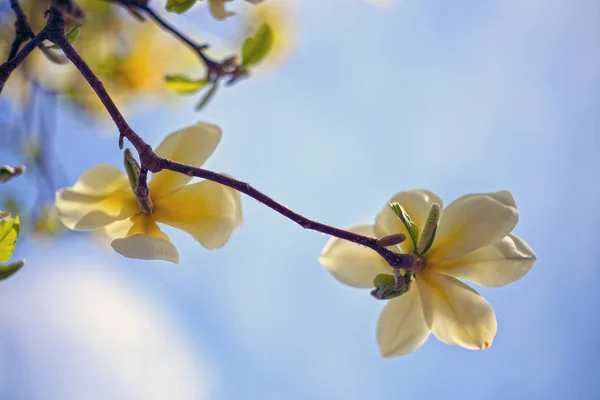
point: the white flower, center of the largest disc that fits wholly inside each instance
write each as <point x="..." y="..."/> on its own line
<point x="472" y="242"/>
<point x="103" y="199"/>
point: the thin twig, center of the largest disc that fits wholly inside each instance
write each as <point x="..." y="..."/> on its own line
<point x="9" y="66"/>
<point x="23" y="30"/>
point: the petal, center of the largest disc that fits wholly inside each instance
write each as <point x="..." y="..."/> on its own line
<point x="457" y="314"/>
<point x="146" y="241"/>
<point x="499" y="264"/>
<point x="191" y="146"/>
<point x="217" y="9"/>
<point x="401" y="328"/>
<point x="417" y="204"/>
<point x="101" y="196"/>
<point x="118" y="230"/>
<point x="207" y="210"/>
<point x="351" y="263"/>
<point x="472" y="222"/>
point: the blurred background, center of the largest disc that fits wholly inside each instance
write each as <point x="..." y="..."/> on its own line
<point x="358" y="100"/>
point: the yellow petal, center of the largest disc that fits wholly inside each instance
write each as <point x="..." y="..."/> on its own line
<point x="101" y="196"/>
<point x="457" y="314"/>
<point x="192" y="146"/>
<point x="401" y="328"/>
<point x="499" y="264"/>
<point x="417" y="204"/>
<point x="146" y="241"/>
<point x="208" y="211"/>
<point x="472" y="222"/>
<point x="217" y="9"/>
<point x="353" y="264"/>
<point x="118" y="230"/>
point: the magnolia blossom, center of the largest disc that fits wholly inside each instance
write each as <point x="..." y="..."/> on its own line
<point x="103" y="199"/>
<point x="218" y="11"/>
<point x="472" y="241"/>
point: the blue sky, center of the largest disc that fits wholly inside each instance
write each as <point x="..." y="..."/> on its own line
<point x="457" y="98"/>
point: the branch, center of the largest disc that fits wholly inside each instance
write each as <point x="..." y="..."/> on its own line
<point x="215" y="69"/>
<point x="150" y="161"/>
<point x="9" y="66"/>
<point x="23" y="30"/>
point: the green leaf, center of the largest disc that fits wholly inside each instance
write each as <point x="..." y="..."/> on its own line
<point x="429" y="229"/>
<point x="184" y="85"/>
<point x="411" y="227"/>
<point x="71" y="36"/>
<point x="256" y="48"/>
<point x="179" y="6"/>
<point x="208" y="96"/>
<point x="7" y="270"/>
<point x="132" y="168"/>
<point x="9" y="232"/>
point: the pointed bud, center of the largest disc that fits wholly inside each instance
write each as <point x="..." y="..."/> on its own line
<point x="430" y="228"/>
<point x="391" y="240"/>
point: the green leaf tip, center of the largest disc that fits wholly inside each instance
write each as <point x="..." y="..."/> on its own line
<point x="257" y="47"/>
<point x="182" y="84"/>
<point x="179" y="6"/>
<point x="72" y="35"/>
<point x="7" y="270"/>
<point x="411" y="227"/>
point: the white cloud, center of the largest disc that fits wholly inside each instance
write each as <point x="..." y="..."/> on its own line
<point x="77" y="331"/>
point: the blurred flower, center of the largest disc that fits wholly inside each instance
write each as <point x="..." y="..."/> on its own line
<point x="218" y="11"/>
<point x="472" y="241"/>
<point x="130" y="59"/>
<point x="102" y="198"/>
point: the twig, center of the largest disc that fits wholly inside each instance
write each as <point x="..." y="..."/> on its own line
<point x="150" y="161"/>
<point x="9" y="66"/>
<point x="23" y="30"/>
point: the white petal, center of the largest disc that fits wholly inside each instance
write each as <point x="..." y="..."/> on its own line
<point x="499" y="264"/>
<point x="353" y="264"/>
<point x="101" y="196"/>
<point x="118" y="230"/>
<point x="207" y="210"/>
<point x="192" y="146"/>
<point x="416" y="203"/>
<point x="401" y="328"/>
<point x="472" y="222"/>
<point x="146" y="247"/>
<point x="457" y="314"/>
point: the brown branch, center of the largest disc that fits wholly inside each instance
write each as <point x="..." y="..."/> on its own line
<point x="9" y="66"/>
<point x="150" y="161"/>
<point x="23" y="30"/>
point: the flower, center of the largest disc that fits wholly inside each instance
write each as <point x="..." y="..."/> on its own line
<point x="472" y="241"/>
<point x="103" y="199"/>
<point x="217" y="8"/>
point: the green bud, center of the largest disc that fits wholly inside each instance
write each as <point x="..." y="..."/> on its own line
<point x="430" y="228"/>
<point x="133" y="169"/>
<point x="411" y="227"/>
<point x="386" y="288"/>
<point x="7" y="172"/>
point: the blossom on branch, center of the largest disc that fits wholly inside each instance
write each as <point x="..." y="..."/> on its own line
<point x="472" y="241"/>
<point x="102" y="198"/>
